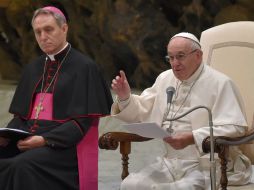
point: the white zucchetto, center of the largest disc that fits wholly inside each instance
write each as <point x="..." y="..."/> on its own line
<point x="187" y="35"/>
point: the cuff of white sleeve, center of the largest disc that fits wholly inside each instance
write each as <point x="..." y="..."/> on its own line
<point x="198" y="141"/>
<point x="123" y="103"/>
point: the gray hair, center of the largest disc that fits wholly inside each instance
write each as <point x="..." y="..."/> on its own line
<point x="60" y="19"/>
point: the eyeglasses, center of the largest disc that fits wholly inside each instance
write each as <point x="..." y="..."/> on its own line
<point x="179" y="57"/>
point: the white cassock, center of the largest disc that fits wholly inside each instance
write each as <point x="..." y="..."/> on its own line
<point x="180" y="169"/>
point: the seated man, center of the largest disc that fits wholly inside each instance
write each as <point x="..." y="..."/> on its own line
<point x="195" y="84"/>
<point x="60" y="96"/>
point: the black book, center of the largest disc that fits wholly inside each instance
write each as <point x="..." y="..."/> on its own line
<point x="14" y="134"/>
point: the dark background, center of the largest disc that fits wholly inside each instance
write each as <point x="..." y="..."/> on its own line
<point x="118" y="34"/>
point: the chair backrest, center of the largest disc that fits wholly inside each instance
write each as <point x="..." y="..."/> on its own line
<point x="229" y="48"/>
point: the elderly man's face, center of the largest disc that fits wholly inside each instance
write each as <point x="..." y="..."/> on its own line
<point x="183" y="58"/>
<point x="50" y="36"/>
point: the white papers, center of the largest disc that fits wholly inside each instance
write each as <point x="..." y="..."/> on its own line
<point x="150" y="130"/>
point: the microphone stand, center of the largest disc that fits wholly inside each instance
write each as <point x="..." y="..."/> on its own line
<point x="212" y="161"/>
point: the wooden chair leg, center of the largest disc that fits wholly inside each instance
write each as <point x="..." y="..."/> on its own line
<point x="223" y="151"/>
<point x="223" y="155"/>
<point x="125" y="149"/>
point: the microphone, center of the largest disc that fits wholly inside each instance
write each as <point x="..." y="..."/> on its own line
<point x="170" y="92"/>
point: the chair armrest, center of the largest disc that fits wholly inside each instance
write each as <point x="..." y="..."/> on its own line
<point x="111" y="141"/>
<point x="221" y="146"/>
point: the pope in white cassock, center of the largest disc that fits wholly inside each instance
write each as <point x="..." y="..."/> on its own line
<point x="195" y="84"/>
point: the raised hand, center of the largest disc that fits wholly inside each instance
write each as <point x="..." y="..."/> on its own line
<point x="121" y="86"/>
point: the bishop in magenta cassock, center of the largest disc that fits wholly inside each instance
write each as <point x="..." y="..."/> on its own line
<point x="60" y="98"/>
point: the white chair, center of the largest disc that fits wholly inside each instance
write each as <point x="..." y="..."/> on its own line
<point x="229" y="48"/>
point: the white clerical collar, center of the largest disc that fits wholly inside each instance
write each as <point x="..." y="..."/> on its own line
<point x="52" y="56"/>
